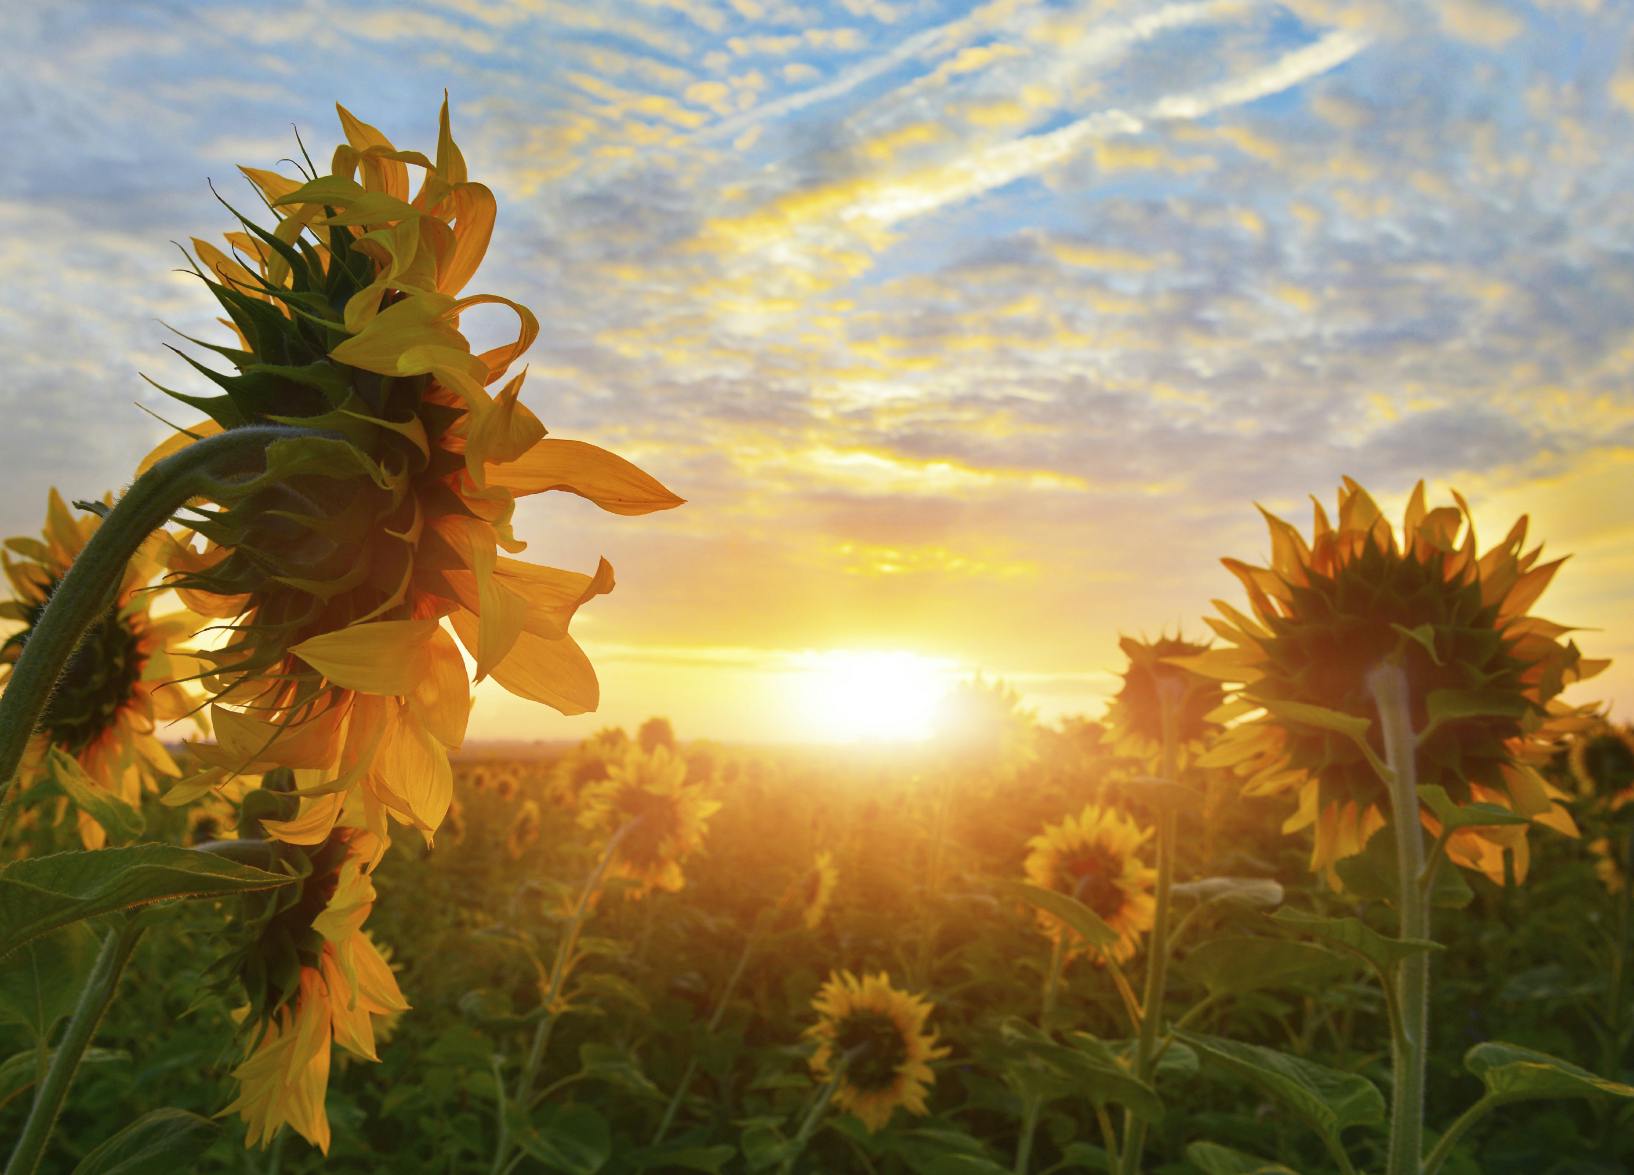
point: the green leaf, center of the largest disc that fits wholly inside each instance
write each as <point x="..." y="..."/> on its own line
<point x="1455" y="815"/>
<point x="158" y="1143"/>
<point x="684" y="1158"/>
<point x="962" y="1165"/>
<point x="19" y="1072"/>
<point x="1424" y="636"/>
<point x="1228" y="966"/>
<point x="612" y="987"/>
<point x="1320" y="717"/>
<point x="121" y="821"/>
<point x="1455" y="705"/>
<point x="1329" y="1100"/>
<point x="1358" y="938"/>
<point x="1213" y="1159"/>
<point x="616" y="1066"/>
<point x="41" y="983"/>
<point x="1513" y="1072"/>
<point x="1085" y="922"/>
<point x="1258" y="892"/>
<point x="1087" y="1065"/>
<point x="573" y="1139"/>
<point x="41" y="894"/>
<point x="1372" y="874"/>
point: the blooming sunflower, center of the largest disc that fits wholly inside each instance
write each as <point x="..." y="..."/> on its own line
<point x="816" y="889"/>
<point x="873" y="1036"/>
<point x="1094" y="857"/>
<point x="333" y="564"/>
<point x="116" y="690"/>
<point x="524" y="830"/>
<point x="1484" y="675"/>
<point x="663" y="816"/>
<point x="1135" y="717"/>
<point x="314" y="979"/>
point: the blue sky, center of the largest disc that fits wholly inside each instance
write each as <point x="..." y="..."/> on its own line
<point x="973" y="331"/>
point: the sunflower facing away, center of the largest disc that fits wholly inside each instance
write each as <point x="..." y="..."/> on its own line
<point x="1602" y="762"/>
<point x="1094" y="857"/>
<point x="874" y="1037"/>
<point x="114" y="692"/>
<point x="1135" y="718"/>
<point x="664" y="817"/>
<point x="1484" y="675"/>
<point x="332" y="565"/>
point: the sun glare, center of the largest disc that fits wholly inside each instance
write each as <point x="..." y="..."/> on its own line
<point x="853" y="696"/>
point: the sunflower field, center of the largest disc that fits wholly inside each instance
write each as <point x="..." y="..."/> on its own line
<point x="1343" y="887"/>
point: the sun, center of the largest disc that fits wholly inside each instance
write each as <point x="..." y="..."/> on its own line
<point x="859" y="696"/>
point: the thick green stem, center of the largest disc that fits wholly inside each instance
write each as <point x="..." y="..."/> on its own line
<point x="94" y="999"/>
<point x="1169" y="693"/>
<point x="561" y="966"/>
<point x="91" y="583"/>
<point x="1410" y="1046"/>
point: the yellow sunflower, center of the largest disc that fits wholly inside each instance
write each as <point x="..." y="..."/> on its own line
<point x="664" y="817"/>
<point x="1484" y="675"/>
<point x="1602" y="763"/>
<point x="334" y="564"/>
<point x="117" y="689"/>
<point x="1094" y="857"/>
<point x="874" y="1037"/>
<point x="314" y="979"/>
<point x="524" y="831"/>
<point x="1135" y="717"/>
<point x="816" y="890"/>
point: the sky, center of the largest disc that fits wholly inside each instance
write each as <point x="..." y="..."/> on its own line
<point x="972" y="333"/>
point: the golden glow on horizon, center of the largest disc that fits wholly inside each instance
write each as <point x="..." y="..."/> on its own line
<point x="857" y="696"/>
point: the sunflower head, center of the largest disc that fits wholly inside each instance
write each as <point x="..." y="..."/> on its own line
<point x="118" y="687"/>
<point x="1151" y="682"/>
<point x="1602" y="762"/>
<point x="659" y="817"/>
<point x="524" y="830"/>
<point x="1483" y="674"/>
<point x="1094" y="857"/>
<point x="815" y="890"/>
<point x="873" y="1038"/>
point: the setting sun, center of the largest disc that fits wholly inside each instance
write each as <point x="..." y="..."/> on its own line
<point x="854" y="696"/>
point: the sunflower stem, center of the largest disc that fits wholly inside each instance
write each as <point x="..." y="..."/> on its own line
<point x="86" y="591"/>
<point x="814" y="1116"/>
<point x="561" y="966"/>
<point x="1393" y="695"/>
<point x="94" y="999"/>
<point x="1033" y="1104"/>
<point x="1170" y="695"/>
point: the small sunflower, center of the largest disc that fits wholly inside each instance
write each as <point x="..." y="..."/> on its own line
<point x="1094" y="857"/>
<point x="666" y="817"/>
<point x="816" y="890"/>
<point x="117" y="689"/>
<point x="314" y="979"/>
<point x="1602" y="762"/>
<point x="874" y="1037"/>
<point x="1484" y="675"/>
<point x="333" y="565"/>
<point x="1135" y="717"/>
<point x="524" y="831"/>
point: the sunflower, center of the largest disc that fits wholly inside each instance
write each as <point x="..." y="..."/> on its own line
<point x="1602" y="763"/>
<point x="816" y="890"/>
<point x="1135" y="717"/>
<point x="1094" y="857"/>
<point x="872" y="1037"/>
<point x="314" y="979"/>
<point x="116" y="690"/>
<point x="524" y="831"/>
<point x="1484" y="675"/>
<point x="333" y="563"/>
<point x="663" y="817"/>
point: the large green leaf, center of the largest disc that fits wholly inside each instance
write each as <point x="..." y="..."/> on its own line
<point x="572" y="1139"/>
<point x="1085" y="1066"/>
<point x="1329" y="1100"/>
<point x="119" y="819"/>
<point x="19" y="1072"/>
<point x="711" y="1159"/>
<point x="1452" y="814"/>
<point x="1372" y="874"/>
<point x="616" y="1066"/>
<point x="41" y="894"/>
<point x="1227" y="966"/>
<point x="1085" y="922"/>
<point x="1453" y="705"/>
<point x="1213" y="1159"/>
<point x="40" y="984"/>
<point x="1514" y="1072"/>
<point x="157" y="1143"/>
<point x="1355" y="936"/>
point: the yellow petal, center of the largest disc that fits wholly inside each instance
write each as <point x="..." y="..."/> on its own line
<point x="555" y="672"/>
<point x="605" y="478"/>
<point x="380" y="657"/>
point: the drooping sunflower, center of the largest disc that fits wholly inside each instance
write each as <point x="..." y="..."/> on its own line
<point x="1135" y="717"/>
<point x="314" y="979"/>
<point x="1095" y="858"/>
<point x="333" y="563"/>
<point x="874" y="1037"/>
<point x="116" y="690"/>
<point x="1484" y="675"/>
<point x="663" y="817"/>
